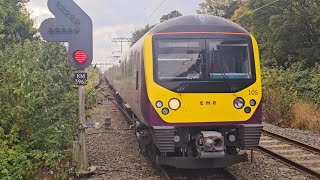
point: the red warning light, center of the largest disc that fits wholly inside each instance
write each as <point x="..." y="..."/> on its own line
<point x="80" y="56"/>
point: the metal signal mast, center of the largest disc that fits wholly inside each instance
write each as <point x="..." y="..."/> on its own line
<point x="122" y="40"/>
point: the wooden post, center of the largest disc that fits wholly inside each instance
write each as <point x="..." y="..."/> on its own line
<point x="82" y="156"/>
<point x="107" y="122"/>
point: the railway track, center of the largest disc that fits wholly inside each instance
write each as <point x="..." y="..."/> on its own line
<point x="178" y="174"/>
<point x="295" y="154"/>
<point x="199" y="174"/>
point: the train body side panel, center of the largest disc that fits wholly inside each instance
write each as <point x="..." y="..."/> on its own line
<point x="126" y="79"/>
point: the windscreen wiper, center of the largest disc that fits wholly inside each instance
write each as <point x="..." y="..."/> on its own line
<point x="225" y="77"/>
<point x="185" y="84"/>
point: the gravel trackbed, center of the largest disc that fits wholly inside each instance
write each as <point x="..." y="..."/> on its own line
<point x="114" y="151"/>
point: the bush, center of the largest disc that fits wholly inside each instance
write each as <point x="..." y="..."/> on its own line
<point x="94" y="78"/>
<point x="37" y="108"/>
<point x="278" y="96"/>
<point x="287" y="92"/>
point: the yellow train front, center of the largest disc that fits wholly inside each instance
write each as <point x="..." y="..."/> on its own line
<point x="193" y="85"/>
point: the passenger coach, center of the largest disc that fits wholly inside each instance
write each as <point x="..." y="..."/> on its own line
<point x="193" y="86"/>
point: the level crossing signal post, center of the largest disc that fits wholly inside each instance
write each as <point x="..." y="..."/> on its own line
<point x="71" y="24"/>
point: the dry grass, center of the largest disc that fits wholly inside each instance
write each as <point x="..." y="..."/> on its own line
<point x="306" y="116"/>
<point x="275" y="109"/>
<point x="99" y="110"/>
<point x="280" y="111"/>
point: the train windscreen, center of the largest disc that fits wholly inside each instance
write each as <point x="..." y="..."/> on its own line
<point x="202" y="60"/>
<point x="230" y="59"/>
<point x="179" y="59"/>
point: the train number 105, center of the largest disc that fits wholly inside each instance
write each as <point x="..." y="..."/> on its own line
<point x="253" y="92"/>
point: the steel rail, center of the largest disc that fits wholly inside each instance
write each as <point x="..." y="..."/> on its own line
<point x="287" y="161"/>
<point x="164" y="172"/>
<point x="227" y="172"/>
<point x="304" y="146"/>
<point x="291" y="163"/>
<point x="124" y="112"/>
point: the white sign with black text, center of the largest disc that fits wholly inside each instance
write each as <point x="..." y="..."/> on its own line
<point x="81" y="78"/>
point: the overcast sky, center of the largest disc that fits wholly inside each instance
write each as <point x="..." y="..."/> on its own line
<point x="117" y="18"/>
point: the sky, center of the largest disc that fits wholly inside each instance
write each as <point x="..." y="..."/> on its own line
<point x="117" y="18"/>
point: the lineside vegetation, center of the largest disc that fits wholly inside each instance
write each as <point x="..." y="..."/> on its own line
<point x="38" y="101"/>
<point x="289" y="35"/>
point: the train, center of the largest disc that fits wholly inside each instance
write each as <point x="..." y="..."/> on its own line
<point x="192" y="85"/>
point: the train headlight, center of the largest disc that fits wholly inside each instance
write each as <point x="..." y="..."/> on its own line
<point x="159" y="104"/>
<point x="232" y="138"/>
<point x="238" y="103"/>
<point x="174" y="104"/>
<point x="176" y="139"/>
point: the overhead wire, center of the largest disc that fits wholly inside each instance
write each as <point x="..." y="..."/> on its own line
<point x="147" y="4"/>
<point x="150" y="16"/>
<point x="161" y="13"/>
<point x="163" y="1"/>
<point x="157" y="8"/>
<point x="153" y="12"/>
<point x="266" y="5"/>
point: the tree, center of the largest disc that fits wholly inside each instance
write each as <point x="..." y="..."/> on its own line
<point x="140" y="32"/>
<point x="288" y="31"/>
<point x="171" y="15"/>
<point x="15" y="23"/>
<point x="222" y="8"/>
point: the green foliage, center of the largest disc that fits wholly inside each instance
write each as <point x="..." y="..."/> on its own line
<point x="94" y="76"/>
<point x="38" y="101"/>
<point x="91" y="98"/>
<point x="15" y="23"/>
<point x="222" y="8"/>
<point x="288" y="31"/>
<point x="284" y="88"/>
<point x="37" y="108"/>
<point x="94" y="73"/>
<point x="140" y="32"/>
<point x="171" y="15"/>
<point x="288" y="34"/>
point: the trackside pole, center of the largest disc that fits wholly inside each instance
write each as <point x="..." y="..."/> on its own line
<point x="83" y="157"/>
<point x="71" y="24"/>
<point x="252" y="157"/>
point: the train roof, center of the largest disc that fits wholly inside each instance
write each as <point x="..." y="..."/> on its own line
<point x="198" y="23"/>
